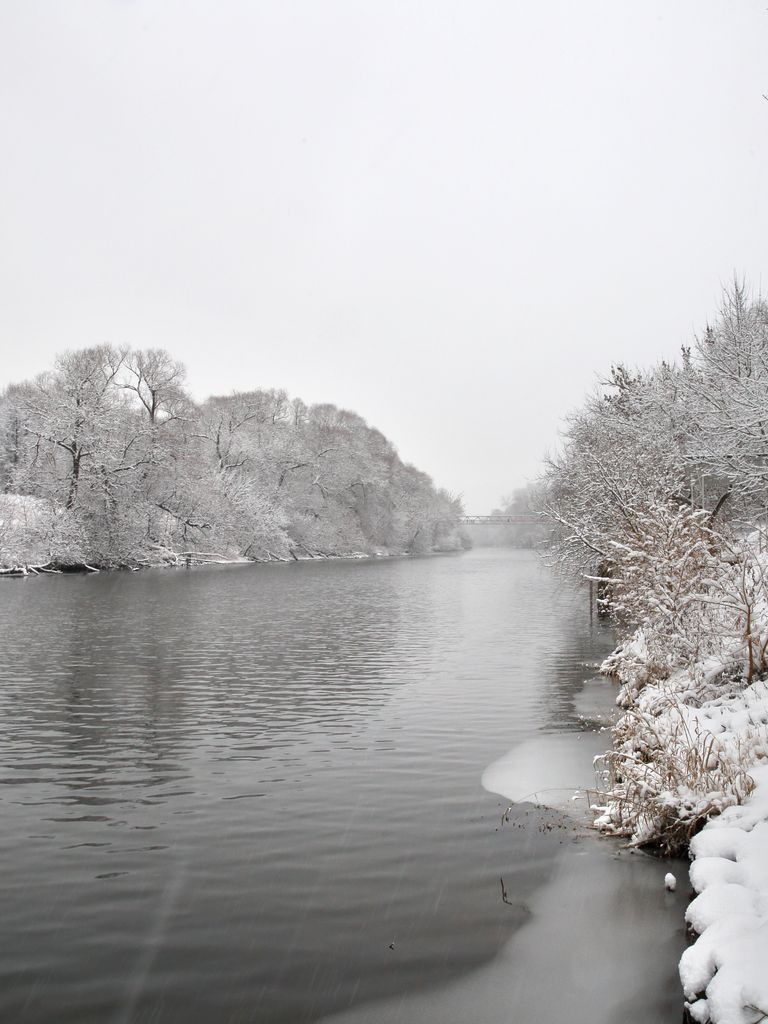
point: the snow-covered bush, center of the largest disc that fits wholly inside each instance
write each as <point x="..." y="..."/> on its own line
<point x="664" y="559"/>
<point x="695" y="723"/>
<point x="35" y="532"/>
<point x="673" y="766"/>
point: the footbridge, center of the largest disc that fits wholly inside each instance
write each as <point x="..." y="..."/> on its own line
<point x="500" y="520"/>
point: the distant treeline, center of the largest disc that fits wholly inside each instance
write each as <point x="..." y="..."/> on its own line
<point x="106" y="460"/>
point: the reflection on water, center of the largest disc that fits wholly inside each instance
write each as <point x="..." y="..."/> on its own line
<point x="253" y="793"/>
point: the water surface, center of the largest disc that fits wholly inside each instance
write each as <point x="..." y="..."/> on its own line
<point x="253" y="793"/>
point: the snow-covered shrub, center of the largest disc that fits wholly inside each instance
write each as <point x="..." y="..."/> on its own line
<point x="629" y="663"/>
<point x="665" y="560"/>
<point x="699" y="597"/>
<point x="669" y="769"/>
<point x="35" y="532"/>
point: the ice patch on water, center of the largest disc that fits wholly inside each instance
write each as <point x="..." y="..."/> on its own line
<point x="549" y="770"/>
<point x="563" y="965"/>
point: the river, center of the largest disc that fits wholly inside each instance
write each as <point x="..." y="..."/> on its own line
<point x="253" y="794"/>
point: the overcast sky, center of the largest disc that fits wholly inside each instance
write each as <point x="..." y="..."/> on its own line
<point x="446" y="216"/>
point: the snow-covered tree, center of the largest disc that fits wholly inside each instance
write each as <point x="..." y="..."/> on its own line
<point x="112" y="437"/>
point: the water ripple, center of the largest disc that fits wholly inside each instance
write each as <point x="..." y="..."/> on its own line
<point x="305" y="745"/>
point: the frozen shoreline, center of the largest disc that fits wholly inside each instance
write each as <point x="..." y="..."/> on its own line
<point x="583" y="955"/>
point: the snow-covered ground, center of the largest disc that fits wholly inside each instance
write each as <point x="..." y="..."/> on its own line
<point x="725" y="972"/>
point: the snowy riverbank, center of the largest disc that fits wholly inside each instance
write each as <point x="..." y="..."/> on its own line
<point x="689" y="767"/>
<point x="32" y="544"/>
<point x="198" y="559"/>
<point x="659" y="496"/>
<point x="725" y="972"/>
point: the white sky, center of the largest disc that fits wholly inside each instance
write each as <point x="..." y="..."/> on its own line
<point x="446" y="216"/>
